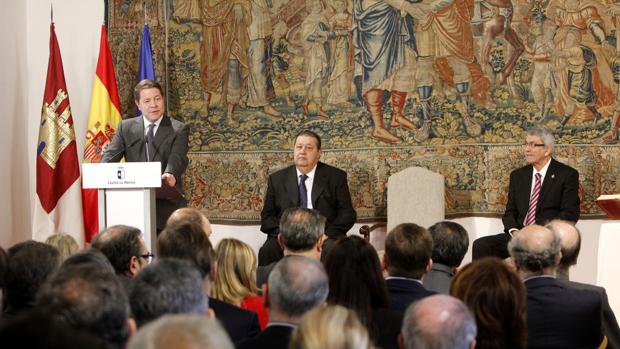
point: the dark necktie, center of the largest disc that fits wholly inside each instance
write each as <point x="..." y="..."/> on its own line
<point x="150" y="135"/>
<point x="530" y="218"/>
<point x="303" y="193"/>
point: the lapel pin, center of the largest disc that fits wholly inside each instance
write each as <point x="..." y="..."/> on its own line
<point x="552" y="176"/>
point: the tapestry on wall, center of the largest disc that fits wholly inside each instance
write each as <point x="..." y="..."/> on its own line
<point x="388" y="84"/>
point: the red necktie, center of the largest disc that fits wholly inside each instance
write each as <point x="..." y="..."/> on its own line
<point x="530" y="218"/>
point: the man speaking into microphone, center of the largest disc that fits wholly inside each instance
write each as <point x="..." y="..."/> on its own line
<point x="153" y="137"/>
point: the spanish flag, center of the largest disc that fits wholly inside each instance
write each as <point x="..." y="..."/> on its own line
<point x="58" y="171"/>
<point x="103" y="118"/>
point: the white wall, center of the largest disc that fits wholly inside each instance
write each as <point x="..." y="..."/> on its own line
<point x="23" y="66"/>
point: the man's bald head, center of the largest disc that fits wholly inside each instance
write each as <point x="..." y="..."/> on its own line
<point x="438" y="321"/>
<point x="535" y="250"/>
<point x="570" y="241"/>
<point x="190" y="215"/>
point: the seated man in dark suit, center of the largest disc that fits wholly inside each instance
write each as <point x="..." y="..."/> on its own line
<point x="571" y="245"/>
<point x="153" y="137"/>
<point x="450" y="243"/>
<point x="558" y="316"/>
<point x="296" y="285"/>
<point x="301" y="234"/>
<point x="407" y="258"/>
<point x="538" y="193"/>
<point x="188" y="240"/>
<point x="307" y="184"/>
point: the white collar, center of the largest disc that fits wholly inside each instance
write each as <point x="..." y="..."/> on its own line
<point x="309" y="174"/>
<point x="147" y="122"/>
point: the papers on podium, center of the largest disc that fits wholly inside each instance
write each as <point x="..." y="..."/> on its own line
<point x="610" y="204"/>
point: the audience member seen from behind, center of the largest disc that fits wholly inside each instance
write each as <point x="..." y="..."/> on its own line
<point x="450" y="243"/>
<point x="190" y="215"/>
<point x="168" y="286"/>
<point x="236" y="278"/>
<point x="496" y="296"/>
<point x="65" y="244"/>
<point x="407" y="259"/>
<point x="438" y="322"/>
<point x="181" y="331"/>
<point x="296" y="285"/>
<point x="90" y="299"/>
<point x="187" y="240"/>
<point x="570" y="238"/>
<point x="356" y="282"/>
<point x="333" y="327"/>
<point x="31" y="263"/>
<point x="557" y="316"/>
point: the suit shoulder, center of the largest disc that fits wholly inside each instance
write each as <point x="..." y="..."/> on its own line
<point x="332" y="170"/>
<point x="283" y="172"/>
<point x="521" y="170"/>
<point x="563" y="167"/>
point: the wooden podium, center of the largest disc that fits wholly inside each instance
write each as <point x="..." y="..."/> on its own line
<point x="126" y="194"/>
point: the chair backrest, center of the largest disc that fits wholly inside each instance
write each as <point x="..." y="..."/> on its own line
<point x="415" y="195"/>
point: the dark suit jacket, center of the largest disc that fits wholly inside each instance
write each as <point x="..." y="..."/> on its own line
<point x="562" y="317"/>
<point x="385" y="328"/>
<point x="262" y="273"/>
<point x="558" y="199"/>
<point x="273" y="337"/>
<point x="238" y="323"/>
<point x="403" y="292"/>
<point x="330" y="196"/>
<point x="171" y="146"/>
<point x="608" y="319"/>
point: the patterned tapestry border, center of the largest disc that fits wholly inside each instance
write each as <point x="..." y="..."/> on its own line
<point x="230" y="186"/>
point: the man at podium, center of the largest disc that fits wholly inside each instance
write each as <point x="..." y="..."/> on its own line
<point x="154" y="137"/>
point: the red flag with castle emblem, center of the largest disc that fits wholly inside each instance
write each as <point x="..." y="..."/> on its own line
<point x="57" y="162"/>
<point x="104" y="116"/>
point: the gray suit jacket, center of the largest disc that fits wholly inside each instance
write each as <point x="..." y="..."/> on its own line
<point x="438" y="279"/>
<point x="608" y="319"/>
<point x="170" y="148"/>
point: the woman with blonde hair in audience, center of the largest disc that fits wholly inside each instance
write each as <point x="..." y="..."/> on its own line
<point x="236" y="278"/>
<point x="330" y="327"/>
<point x="496" y="296"/>
<point x="65" y="244"/>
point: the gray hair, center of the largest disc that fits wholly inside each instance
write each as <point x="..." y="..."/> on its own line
<point x="168" y="286"/>
<point x="296" y="285"/>
<point x="182" y="330"/>
<point x="301" y="228"/>
<point x="544" y="134"/>
<point x="438" y="322"/>
<point x="525" y="256"/>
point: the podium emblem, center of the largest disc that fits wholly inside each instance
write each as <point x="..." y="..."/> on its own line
<point x="120" y="173"/>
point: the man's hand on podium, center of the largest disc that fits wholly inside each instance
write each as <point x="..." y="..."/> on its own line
<point x="168" y="179"/>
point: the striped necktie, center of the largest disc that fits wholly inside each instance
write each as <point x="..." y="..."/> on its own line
<point x="530" y="218"/>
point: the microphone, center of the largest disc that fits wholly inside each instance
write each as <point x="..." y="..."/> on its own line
<point x="131" y="145"/>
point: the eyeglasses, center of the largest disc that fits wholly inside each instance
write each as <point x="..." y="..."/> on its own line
<point x="533" y="145"/>
<point x="148" y="256"/>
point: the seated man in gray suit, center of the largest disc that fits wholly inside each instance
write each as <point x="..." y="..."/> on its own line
<point x="570" y="247"/>
<point x="450" y="242"/>
<point x="153" y="137"/>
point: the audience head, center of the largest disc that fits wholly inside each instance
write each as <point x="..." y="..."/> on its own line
<point x="355" y="278"/>
<point x="333" y="327"/>
<point x="89" y="299"/>
<point x="89" y="257"/>
<point x="301" y="231"/>
<point x="450" y="243"/>
<point x="408" y="250"/>
<point x="296" y="284"/>
<point x="236" y="272"/>
<point x="124" y="247"/>
<point x="438" y="322"/>
<point x="65" y="244"/>
<point x="31" y="263"/>
<point x="37" y="330"/>
<point x="535" y="250"/>
<point x="187" y="240"/>
<point x="181" y="331"/>
<point x="570" y="243"/>
<point x="191" y="215"/>
<point x="168" y="286"/>
<point x="497" y="297"/>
